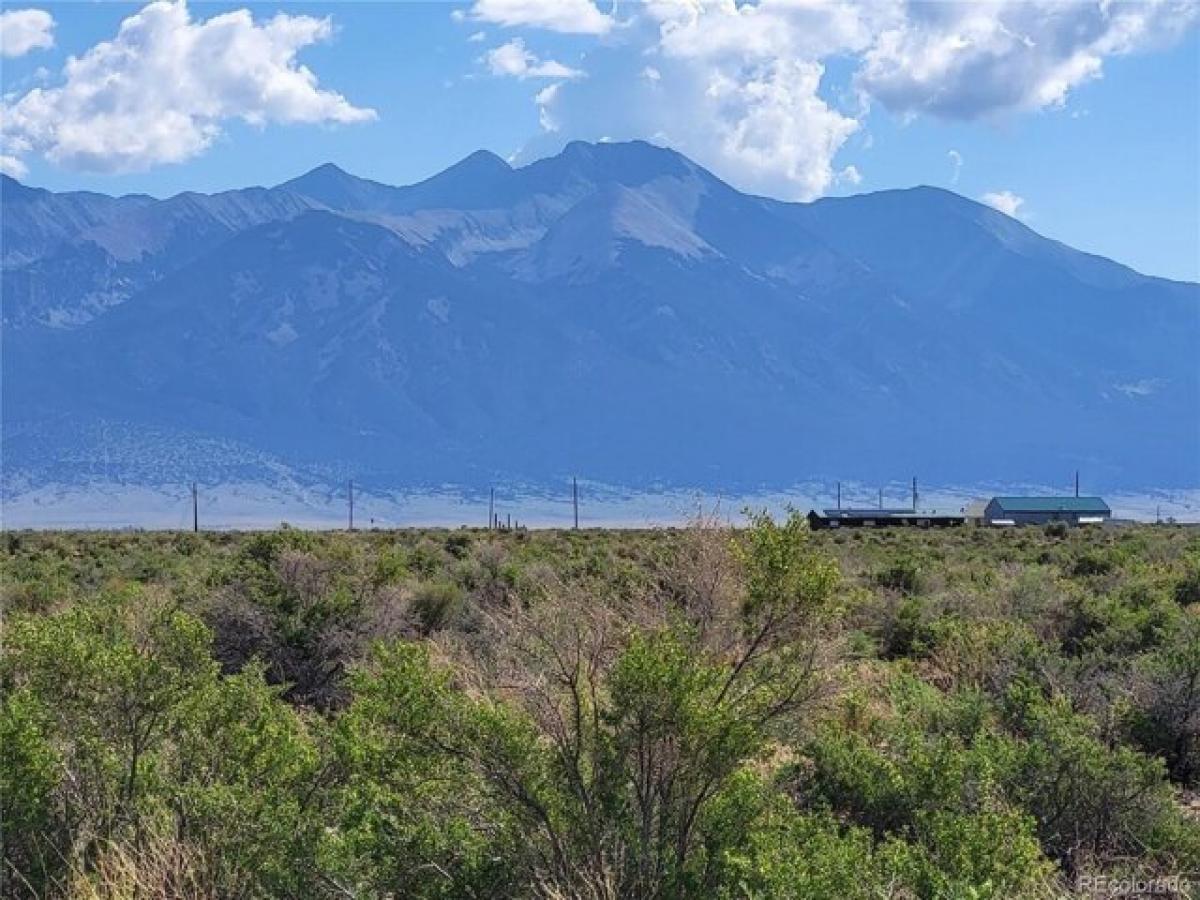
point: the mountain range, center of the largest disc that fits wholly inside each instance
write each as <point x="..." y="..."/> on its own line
<point x="615" y="311"/>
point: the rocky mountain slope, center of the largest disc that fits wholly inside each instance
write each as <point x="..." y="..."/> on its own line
<point x="615" y="311"/>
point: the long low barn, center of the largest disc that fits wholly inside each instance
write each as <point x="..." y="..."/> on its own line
<point x="1041" y="510"/>
<point x="882" y="518"/>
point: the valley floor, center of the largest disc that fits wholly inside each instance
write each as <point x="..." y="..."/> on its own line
<point x="701" y="711"/>
<point x="248" y="506"/>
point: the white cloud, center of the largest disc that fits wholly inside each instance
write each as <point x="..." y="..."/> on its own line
<point x="478" y="37"/>
<point x="759" y="119"/>
<point x="566" y="16"/>
<point x="1143" y="387"/>
<point x="514" y="61"/>
<point x="23" y="30"/>
<point x="967" y="60"/>
<point x="849" y="175"/>
<point x="160" y="91"/>
<point x="739" y="83"/>
<point x="13" y="167"/>
<point x="1005" y="201"/>
<point x="772" y="130"/>
<point x="952" y="59"/>
<point x="545" y="101"/>
<point x="766" y="29"/>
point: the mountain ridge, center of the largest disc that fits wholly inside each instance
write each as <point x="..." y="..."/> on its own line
<point x="615" y="309"/>
<point x="9" y="184"/>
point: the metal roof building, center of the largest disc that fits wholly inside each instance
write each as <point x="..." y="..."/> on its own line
<point x="882" y="518"/>
<point x="1040" y="510"/>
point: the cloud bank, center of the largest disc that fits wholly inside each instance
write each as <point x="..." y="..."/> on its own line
<point x="741" y="86"/>
<point x="160" y="91"/>
<point x="970" y="60"/>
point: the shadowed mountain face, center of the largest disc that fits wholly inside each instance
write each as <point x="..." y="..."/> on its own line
<point x="615" y="311"/>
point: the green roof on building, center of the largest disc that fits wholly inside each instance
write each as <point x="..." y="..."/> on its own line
<point x="1052" y="504"/>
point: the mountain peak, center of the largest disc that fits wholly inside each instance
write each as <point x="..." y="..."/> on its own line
<point x="475" y="181"/>
<point x="634" y="147"/>
<point x="326" y="174"/>
<point x="637" y="153"/>
<point x="481" y="161"/>
<point x="631" y="163"/>
<point x="924" y="199"/>
<point x="336" y="188"/>
<point x="330" y="170"/>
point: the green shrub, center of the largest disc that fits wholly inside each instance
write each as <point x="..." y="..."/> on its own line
<point x="598" y="713"/>
<point x="1166" y="719"/>
<point x="144" y="732"/>
<point x="904" y="576"/>
<point x="1092" y="563"/>
<point x="426" y="559"/>
<point x="458" y="543"/>
<point x="391" y="567"/>
<point x="1088" y="798"/>
<point x="436" y="604"/>
<point x="1187" y="589"/>
<point x="908" y="634"/>
<point x="781" y="852"/>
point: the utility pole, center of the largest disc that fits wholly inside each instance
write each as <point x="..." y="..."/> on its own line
<point x="914" y="493"/>
<point x="491" y="509"/>
<point x="350" y="497"/>
<point x="1076" y="482"/>
<point x="881" y="498"/>
<point x="575" y="500"/>
<point x="839" y="484"/>
<point x="195" y="510"/>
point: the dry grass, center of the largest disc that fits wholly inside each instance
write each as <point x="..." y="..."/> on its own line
<point x="161" y="868"/>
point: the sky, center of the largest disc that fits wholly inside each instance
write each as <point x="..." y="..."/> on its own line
<point x="1082" y="119"/>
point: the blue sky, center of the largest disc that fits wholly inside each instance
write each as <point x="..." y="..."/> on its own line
<point x="1082" y="119"/>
